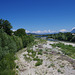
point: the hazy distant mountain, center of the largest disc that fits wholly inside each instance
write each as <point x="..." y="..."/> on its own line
<point x="32" y="34"/>
<point x="73" y="31"/>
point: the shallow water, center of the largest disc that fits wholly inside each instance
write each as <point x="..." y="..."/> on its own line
<point x="52" y="40"/>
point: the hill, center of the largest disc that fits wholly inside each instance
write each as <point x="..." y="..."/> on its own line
<point x="73" y="31"/>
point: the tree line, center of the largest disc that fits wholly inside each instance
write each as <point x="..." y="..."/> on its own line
<point x="10" y="43"/>
<point x="63" y="36"/>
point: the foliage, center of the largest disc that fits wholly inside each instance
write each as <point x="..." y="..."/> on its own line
<point x="18" y="42"/>
<point x="27" y="39"/>
<point x="20" y="32"/>
<point x="7" y="65"/>
<point x="6" y="26"/>
<point x="73" y="39"/>
<point x="40" y="53"/>
<point x="27" y="58"/>
<point x="63" y="36"/>
<point x="33" y="53"/>
<point x="39" y="62"/>
<point x="7" y="45"/>
<point x="59" y="70"/>
<point x="66" y="49"/>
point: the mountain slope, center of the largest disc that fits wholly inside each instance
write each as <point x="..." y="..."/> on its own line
<point x="73" y="31"/>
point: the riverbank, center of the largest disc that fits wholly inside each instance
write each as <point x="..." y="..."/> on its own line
<point x="43" y="59"/>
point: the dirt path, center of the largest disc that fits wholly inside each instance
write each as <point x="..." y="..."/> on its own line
<point x="51" y="64"/>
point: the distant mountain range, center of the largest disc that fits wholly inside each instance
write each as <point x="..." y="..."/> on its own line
<point x="73" y="31"/>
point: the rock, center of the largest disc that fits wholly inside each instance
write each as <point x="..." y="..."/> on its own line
<point x="40" y="46"/>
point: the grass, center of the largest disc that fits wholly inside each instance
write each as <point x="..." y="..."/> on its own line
<point x="27" y="58"/>
<point x="51" y="65"/>
<point x="39" y="62"/>
<point x="66" y="49"/>
<point x="61" y="66"/>
<point x="59" y="70"/>
<point x="40" y="52"/>
<point x="33" y="53"/>
<point x="36" y="59"/>
<point x="31" y="44"/>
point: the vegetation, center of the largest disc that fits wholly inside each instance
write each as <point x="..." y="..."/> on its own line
<point x="32" y="56"/>
<point x="59" y="70"/>
<point x="9" y="45"/>
<point x="20" y="32"/>
<point x="27" y="58"/>
<point x="63" y="36"/>
<point x="18" y="42"/>
<point x="6" y="26"/>
<point x="66" y="49"/>
<point x="33" y="53"/>
<point x="39" y="62"/>
<point x="40" y="52"/>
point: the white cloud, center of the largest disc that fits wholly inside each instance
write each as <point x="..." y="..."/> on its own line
<point x="36" y="31"/>
<point x="63" y="30"/>
<point x="27" y="31"/>
<point x="47" y="31"/>
<point x="44" y="31"/>
<point x="13" y="30"/>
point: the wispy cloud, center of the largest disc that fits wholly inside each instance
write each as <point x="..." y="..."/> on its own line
<point x="27" y="31"/>
<point x="47" y="31"/>
<point x="63" y="30"/>
<point x="44" y="31"/>
<point x="13" y="30"/>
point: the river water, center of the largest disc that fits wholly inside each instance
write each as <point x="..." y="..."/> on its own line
<point x="45" y="37"/>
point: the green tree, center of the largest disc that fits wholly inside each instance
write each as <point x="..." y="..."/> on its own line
<point x="6" y="26"/>
<point x="7" y="45"/>
<point x="20" y="32"/>
<point x="73" y="39"/>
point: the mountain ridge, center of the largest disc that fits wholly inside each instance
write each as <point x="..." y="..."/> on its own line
<point x="73" y="31"/>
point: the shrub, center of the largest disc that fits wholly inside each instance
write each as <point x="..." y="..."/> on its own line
<point x="7" y="65"/>
<point x="7" y="45"/>
<point x="18" y="41"/>
<point x="39" y="62"/>
<point x="59" y="70"/>
<point x="66" y="49"/>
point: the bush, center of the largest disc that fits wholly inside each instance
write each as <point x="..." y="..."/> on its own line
<point x="73" y="39"/>
<point x="39" y="62"/>
<point x="7" y="65"/>
<point x="7" y="45"/>
<point x="27" y="39"/>
<point x="18" y="41"/>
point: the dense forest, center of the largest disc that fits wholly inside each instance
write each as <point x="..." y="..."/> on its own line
<point x="10" y="43"/>
<point x="62" y="36"/>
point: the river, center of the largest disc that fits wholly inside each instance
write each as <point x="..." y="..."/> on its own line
<point x="45" y="37"/>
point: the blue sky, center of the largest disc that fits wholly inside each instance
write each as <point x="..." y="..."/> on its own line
<point x="40" y="16"/>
